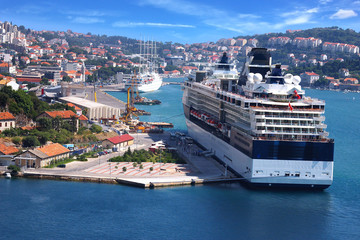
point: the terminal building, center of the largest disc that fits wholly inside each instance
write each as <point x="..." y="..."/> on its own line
<point x="94" y="111"/>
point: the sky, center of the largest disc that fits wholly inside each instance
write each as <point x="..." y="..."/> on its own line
<point x="182" y="21"/>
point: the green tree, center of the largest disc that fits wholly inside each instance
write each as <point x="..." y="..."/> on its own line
<point x="124" y="169"/>
<point x="57" y="123"/>
<point x="16" y="140"/>
<point x="43" y="137"/>
<point x="45" y="123"/>
<point x="95" y="128"/>
<point x="30" y="141"/>
<point x="66" y="79"/>
<point x="4" y="98"/>
<point x="45" y="81"/>
<point x="14" y="168"/>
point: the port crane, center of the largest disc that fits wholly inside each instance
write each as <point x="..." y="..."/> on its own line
<point x="130" y="109"/>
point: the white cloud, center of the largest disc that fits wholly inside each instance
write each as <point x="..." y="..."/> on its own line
<point x="299" y="12"/>
<point x="87" y="20"/>
<point x="88" y="13"/>
<point x="325" y="1"/>
<point x="149" y="24"/>
<point x="299" y="20"/>
<point x="312" y="10"/>
<point x="242" y="23"/>
<point x="247" y="16"/>
<point x="342" y="14"/>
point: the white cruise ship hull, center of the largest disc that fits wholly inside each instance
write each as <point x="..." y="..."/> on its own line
<point x="147" y="86"/>
<point x="265" y="172"/>
<point x="155" y="85"/>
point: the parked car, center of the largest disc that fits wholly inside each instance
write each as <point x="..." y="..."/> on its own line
<point x="61" y="166"/>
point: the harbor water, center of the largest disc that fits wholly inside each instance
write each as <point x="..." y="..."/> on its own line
<point x="45" y="209"/>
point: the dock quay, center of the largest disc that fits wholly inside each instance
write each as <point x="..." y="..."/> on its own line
<point x="197" y="171"/>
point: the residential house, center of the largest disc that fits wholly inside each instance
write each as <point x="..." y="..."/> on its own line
<point x="84" y="121"/>
<point x="333" y="85"/>
<point x="8" y="149"/>
<point x="308" y="78"/>
<point x="77" y="109"/>
<point x="66" y="115"/>
<point x="118" y="141"/>
<point x="42" y="156"/>
<point x="7" y="121"/>
<point x="344" y="72"/>
<point x="351" y="81"/>
<point x="9" y="81"/>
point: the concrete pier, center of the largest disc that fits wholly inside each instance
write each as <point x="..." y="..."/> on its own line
<point x="198" y="170"/>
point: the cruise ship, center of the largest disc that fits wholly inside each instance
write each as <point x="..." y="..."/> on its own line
<point x="260" y="124"/>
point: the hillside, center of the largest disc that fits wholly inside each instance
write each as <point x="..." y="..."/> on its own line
<point x="331" y="34"/>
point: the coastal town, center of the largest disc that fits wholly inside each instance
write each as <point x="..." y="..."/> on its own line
<point x="56" y="113"/>
<point x="30" y="58"/>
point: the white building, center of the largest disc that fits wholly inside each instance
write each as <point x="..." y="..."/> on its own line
<point x="7" y="121"/>
<point x="94" y="111"/>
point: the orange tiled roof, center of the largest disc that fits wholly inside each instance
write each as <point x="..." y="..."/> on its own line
<point x="4" y="65"/>
<point x="6" y="116"/>
<point x="63" y="114"/>
<point x="53" y="149"/>
<point x="73" y="105"/>
<point x="28" y="128"/>
<point x="83" y="118"/>
<point x="7" y="150"/>
<point x="311" y="73"/>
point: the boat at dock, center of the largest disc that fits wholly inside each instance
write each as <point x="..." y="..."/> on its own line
<point x="260" y="124"/>
<point x="145" y="101"/>
<point x="148" y="80"/>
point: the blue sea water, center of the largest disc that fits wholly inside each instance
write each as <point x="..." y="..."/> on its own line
<point x="170" y="109"/>
<point x="43" y="209"/>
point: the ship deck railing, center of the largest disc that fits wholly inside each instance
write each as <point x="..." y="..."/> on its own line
<point x="288" y="109"/>
<point x="293" y="139"/>
<point x="217" y="90"/>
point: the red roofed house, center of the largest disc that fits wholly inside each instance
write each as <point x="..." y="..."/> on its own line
<point x="77" y="109"/>
<point x="66" y="115"/>
<point x="7" y="150"/>
<point x="351" y="81"/>
<point x="84" y="121"/>
<point x="308" y="78"/>
<point x="118" y="141"/>
<point x="7" y="121"/>
<point x="42" y="156"/>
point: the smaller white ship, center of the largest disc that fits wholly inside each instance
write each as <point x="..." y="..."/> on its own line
<point x="148" y="79"/>
<point x="147" y="82"/>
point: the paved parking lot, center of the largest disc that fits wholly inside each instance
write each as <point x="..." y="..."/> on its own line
<point x="159" y="169"/>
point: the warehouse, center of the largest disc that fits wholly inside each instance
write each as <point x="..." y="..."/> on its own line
<point x="94" y="111"/>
